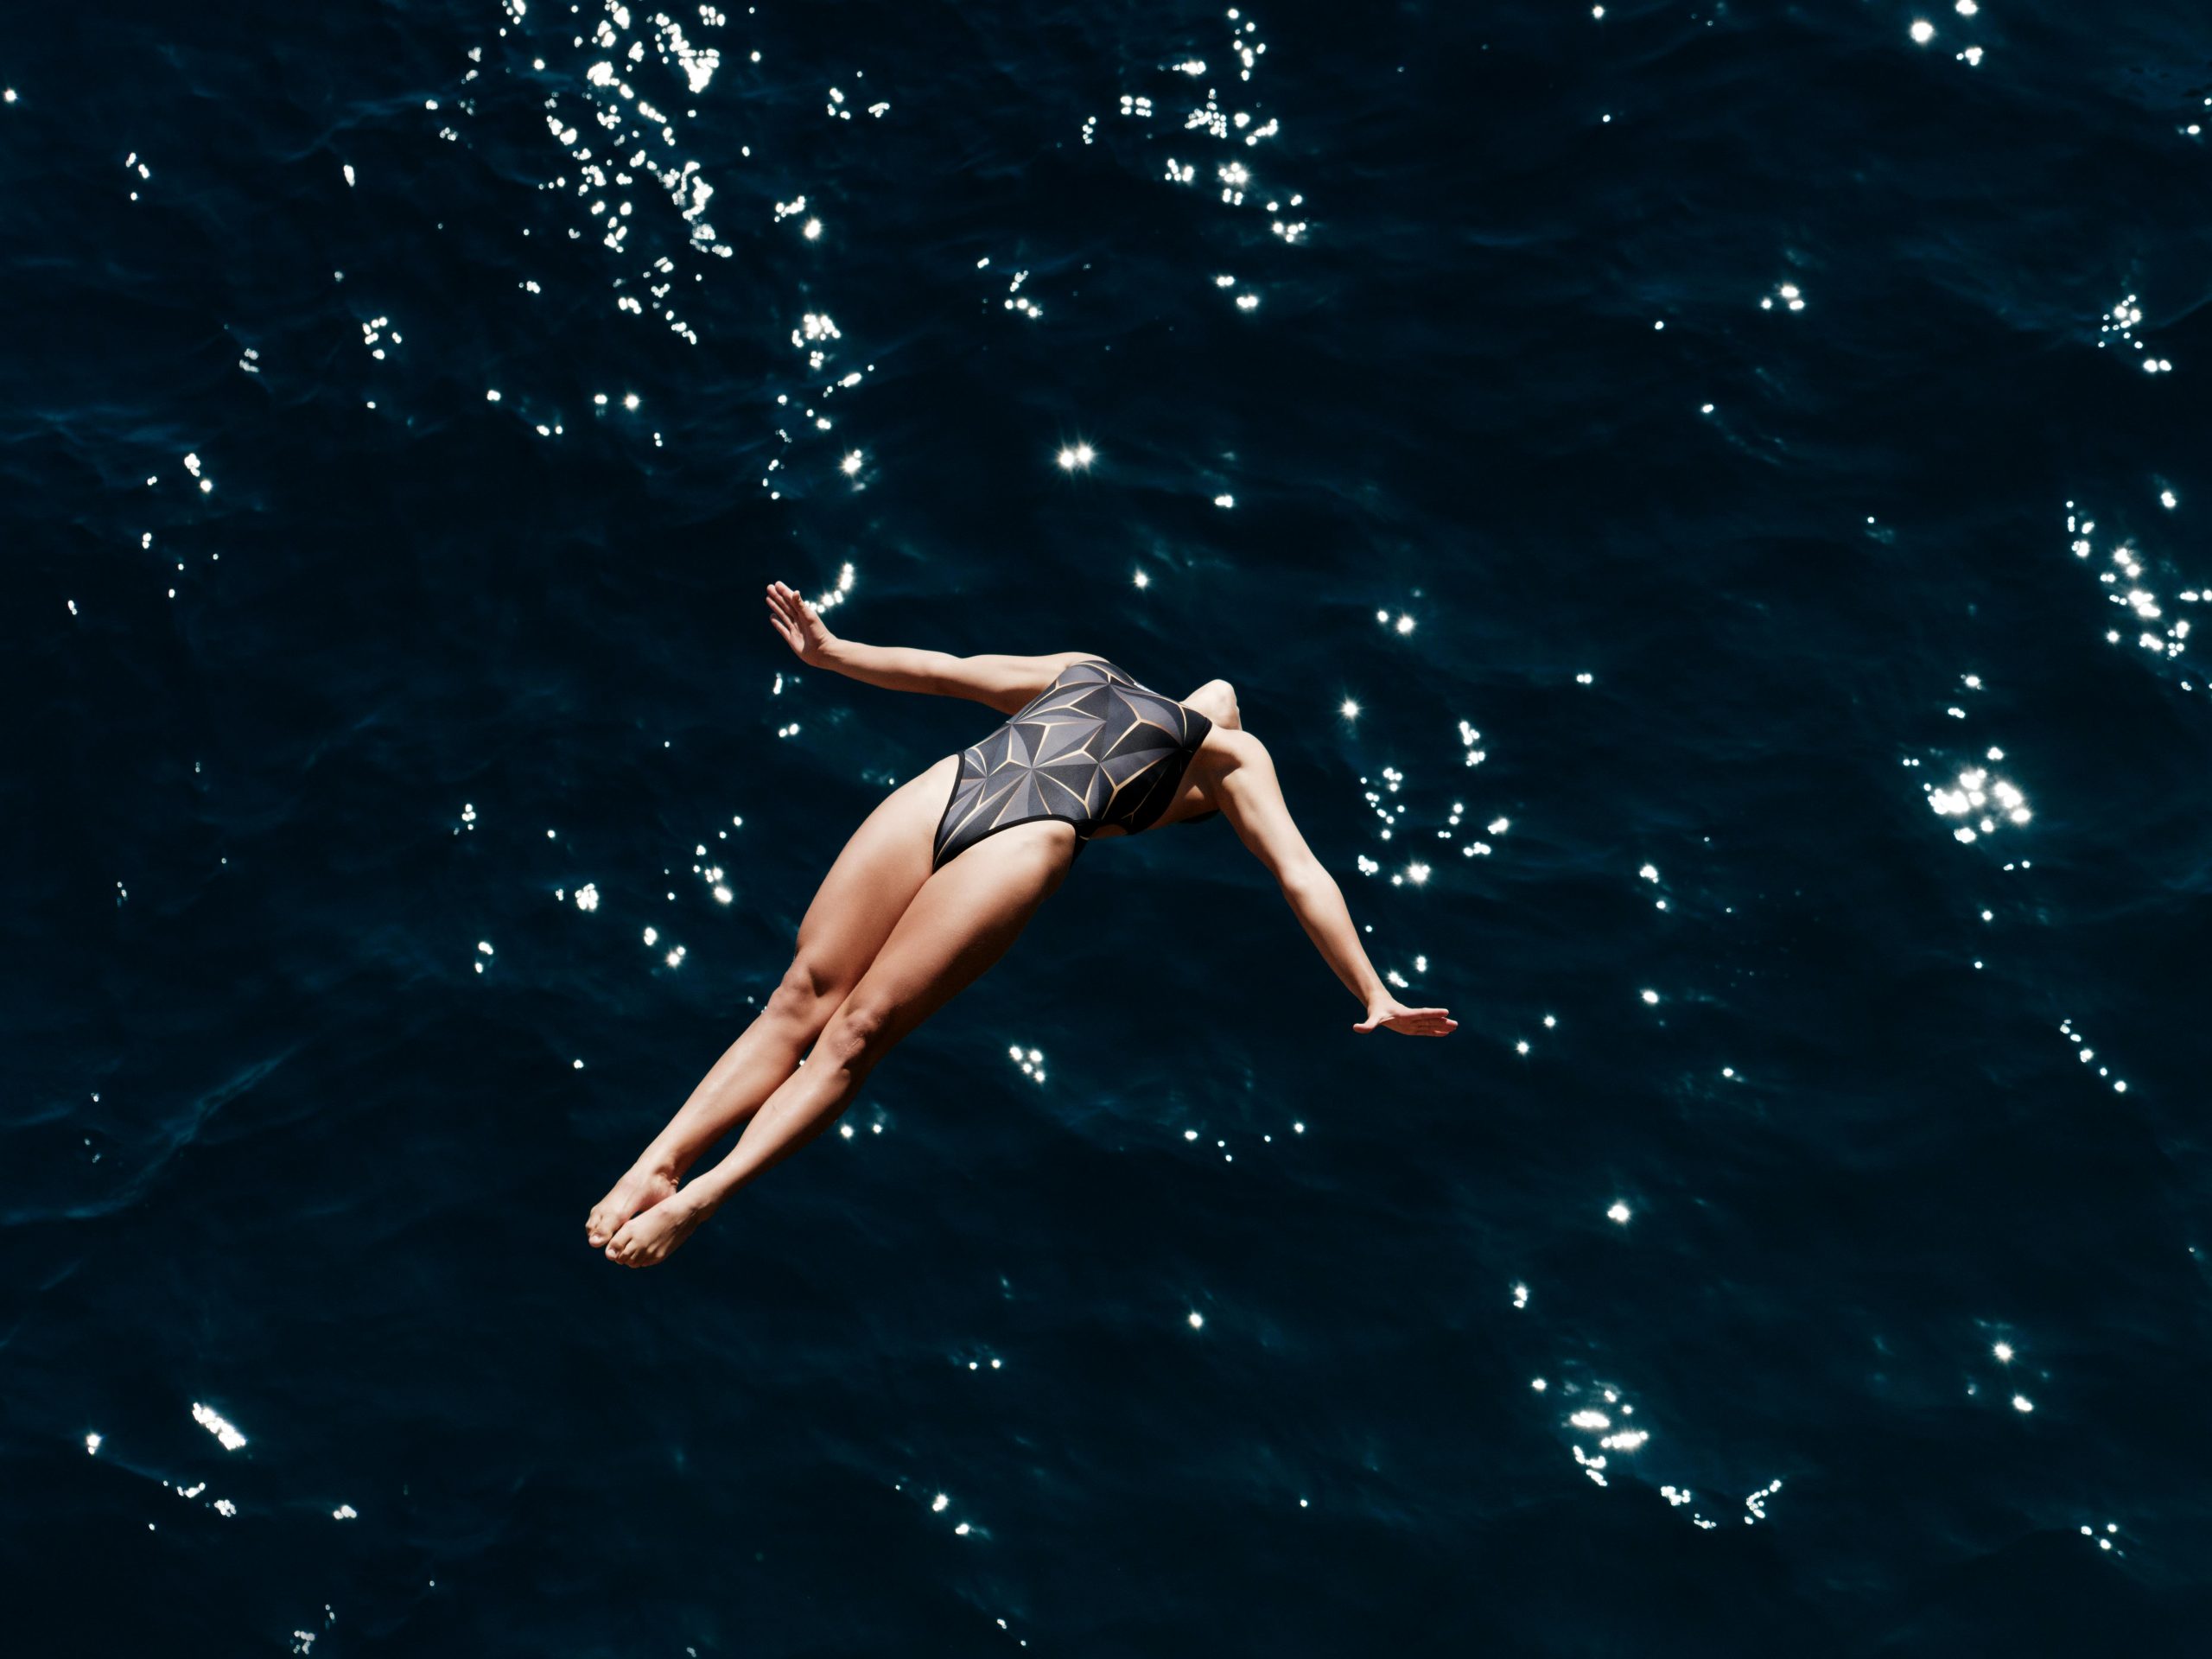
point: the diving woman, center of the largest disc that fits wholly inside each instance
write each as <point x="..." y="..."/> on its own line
<point x="942" y="876"/>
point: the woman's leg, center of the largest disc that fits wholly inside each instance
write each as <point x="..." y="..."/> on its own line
<point x="867" y="889"/>
<point x="959" y="924"/>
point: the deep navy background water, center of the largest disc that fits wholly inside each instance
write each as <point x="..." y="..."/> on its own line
<point x="282" y="1140"/>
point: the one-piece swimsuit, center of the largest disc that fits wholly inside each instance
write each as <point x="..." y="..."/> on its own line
<point x="1093" y="749"/>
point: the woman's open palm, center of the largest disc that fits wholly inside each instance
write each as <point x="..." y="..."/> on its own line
<point x="804" y="632"/>
<point x="1390" y="1014"/>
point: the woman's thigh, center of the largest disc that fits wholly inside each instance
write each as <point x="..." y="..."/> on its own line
<point x="882" y="867"/>
<point x="959" y="924"/>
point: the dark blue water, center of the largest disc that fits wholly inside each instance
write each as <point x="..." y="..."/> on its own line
<point x="1727" y="455"/>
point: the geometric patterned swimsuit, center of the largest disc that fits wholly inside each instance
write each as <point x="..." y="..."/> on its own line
<point x="1093" y="749"/>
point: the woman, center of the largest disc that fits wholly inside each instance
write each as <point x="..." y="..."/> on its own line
<point x="933" y="888"/>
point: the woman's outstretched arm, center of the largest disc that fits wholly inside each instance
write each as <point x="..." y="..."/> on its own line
<point x="1004" y="682"/>
<point x="1245" y="788"/>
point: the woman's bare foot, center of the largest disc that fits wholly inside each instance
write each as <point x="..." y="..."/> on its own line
<point x="651" y="1235"/>
<point x="642" y="1188"/>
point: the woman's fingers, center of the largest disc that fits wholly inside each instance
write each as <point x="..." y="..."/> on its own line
<point x="1412" y="1022"/>
<point x="1424" y="1022"/>
<point x="795" y="619"/>
<point x="786" y="617"/>
<point x="793" y="608"/>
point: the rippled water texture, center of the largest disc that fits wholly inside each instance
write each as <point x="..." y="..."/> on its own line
<point x="1704" y="504"/>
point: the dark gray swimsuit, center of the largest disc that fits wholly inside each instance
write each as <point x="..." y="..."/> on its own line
<point x="1093" y="749"/>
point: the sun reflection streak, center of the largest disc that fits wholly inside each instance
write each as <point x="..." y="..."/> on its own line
<point x="1238" y="181"/>
<point x="2130" y="585"/>
<point x="2087" y="1055"/>
<point x="216" y="1424"/>
<point x="617" y="148"/>
<point x="2118" y="328"/>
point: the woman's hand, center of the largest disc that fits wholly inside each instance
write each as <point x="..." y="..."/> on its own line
<point x="804" y="632"/>
<point x="1388" y="1013"/>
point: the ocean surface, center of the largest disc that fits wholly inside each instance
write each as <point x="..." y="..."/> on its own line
<point x="1706" y="505"/>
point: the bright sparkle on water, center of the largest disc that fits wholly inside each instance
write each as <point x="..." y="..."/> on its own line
<point x="213" y="1421"/>
<point x="1979" y="795"/>
<point x="1077" y="458"/>
<point x="1923" y="31"/>
<point x="1618" y="1212"/>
